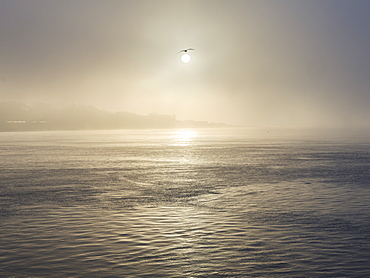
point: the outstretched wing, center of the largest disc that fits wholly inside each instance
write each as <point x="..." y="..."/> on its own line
<point x="185" y="50"/>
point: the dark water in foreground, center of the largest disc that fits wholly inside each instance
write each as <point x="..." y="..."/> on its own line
<point x="201" y="203"/>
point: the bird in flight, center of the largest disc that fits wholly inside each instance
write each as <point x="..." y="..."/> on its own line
<point x="186" y="50"/>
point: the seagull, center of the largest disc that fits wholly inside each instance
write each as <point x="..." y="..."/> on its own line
<point x="186" y="50"/>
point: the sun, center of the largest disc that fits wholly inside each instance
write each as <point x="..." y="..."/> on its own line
<point x="185" y="58"/>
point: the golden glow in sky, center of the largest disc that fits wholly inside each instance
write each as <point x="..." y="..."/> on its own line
<point x="255" y="62"/>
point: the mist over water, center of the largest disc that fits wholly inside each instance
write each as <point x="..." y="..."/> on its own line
<point x="254" y="63"/>
<point x="185" y="203"/>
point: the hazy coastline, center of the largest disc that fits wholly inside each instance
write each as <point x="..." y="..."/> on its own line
<point x="17" y="116"/>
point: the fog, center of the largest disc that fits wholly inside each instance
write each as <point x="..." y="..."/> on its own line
<point x="255" y="63"/>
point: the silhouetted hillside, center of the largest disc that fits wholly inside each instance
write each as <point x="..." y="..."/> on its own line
<point x="16" y="116"/>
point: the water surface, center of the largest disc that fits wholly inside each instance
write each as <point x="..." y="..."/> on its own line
<point x="184" y="203"/>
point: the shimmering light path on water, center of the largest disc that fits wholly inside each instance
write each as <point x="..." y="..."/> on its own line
<point x="188" y="203"/>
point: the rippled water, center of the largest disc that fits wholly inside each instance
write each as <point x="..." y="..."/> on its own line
<point x="184" y="203"/>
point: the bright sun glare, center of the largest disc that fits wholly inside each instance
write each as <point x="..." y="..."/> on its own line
<point x="184" y="137"/>
<point x="185" y="58"/>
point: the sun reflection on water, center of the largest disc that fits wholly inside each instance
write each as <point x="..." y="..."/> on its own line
<point x="184" y="137"/>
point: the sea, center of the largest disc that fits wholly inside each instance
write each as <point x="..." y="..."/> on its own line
<point x="234" y="202"/>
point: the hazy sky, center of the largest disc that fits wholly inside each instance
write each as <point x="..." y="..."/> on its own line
<point x="285" y="62"/>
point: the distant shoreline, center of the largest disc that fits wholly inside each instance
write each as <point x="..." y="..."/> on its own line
<point x="16" y="116"/>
